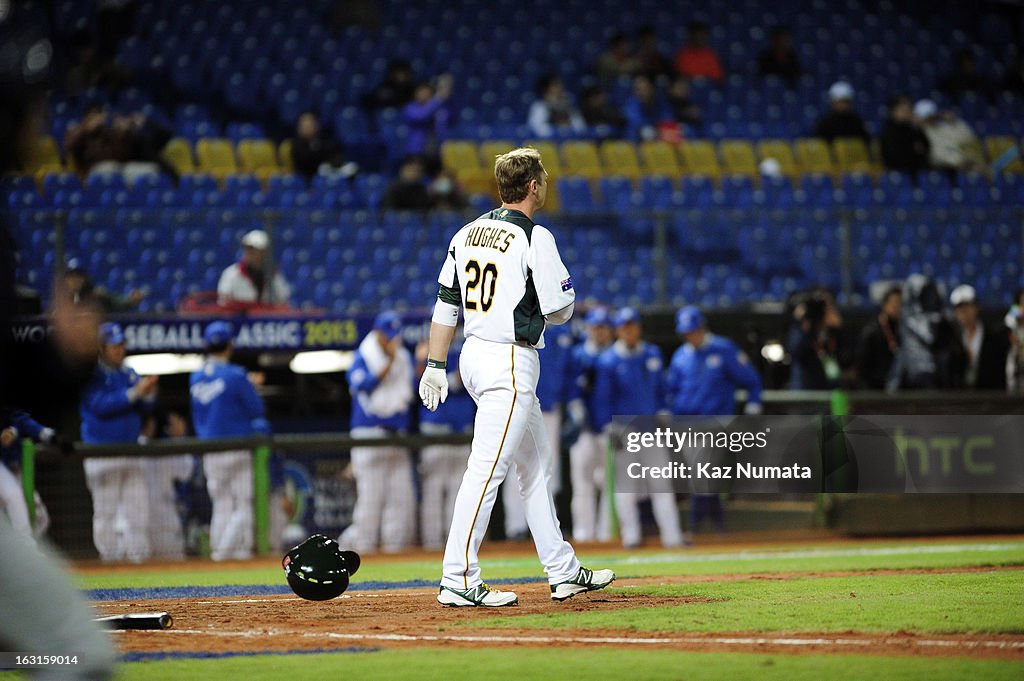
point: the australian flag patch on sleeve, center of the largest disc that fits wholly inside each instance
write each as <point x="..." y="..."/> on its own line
<point x="566" y="284"/>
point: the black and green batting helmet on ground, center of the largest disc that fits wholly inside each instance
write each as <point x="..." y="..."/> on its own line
<point x="318" y="570"/>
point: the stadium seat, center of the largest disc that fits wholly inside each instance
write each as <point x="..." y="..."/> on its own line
<point x="575" y="194"/>
<point x="284" y="155"/>
<point x="738" y="158"/>
<point x="660" y="159"/>
<point x="216" y="157"/>
<point x="996" y="145"/>
<point x="258" y="156"/>
<point x="619" y="158"/>
<point x="782" y="153"/>
<point x="45" y="155"/>
<point x="852" y="155"/>
<point x="178" y="153"/>
<point x="813" y="157"/>
<point x="699" y="158"/>
<point x="489" y="150"/>
<point x="580" y="158"/>
<point x="549" y="154"/>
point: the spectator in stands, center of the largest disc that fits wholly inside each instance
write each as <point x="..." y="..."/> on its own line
<point x="1014" y="322"/>
<point x="313" y="152"/>
<point x="409" y="190"/>
<point x="553" y="112"/>
<point x="927" y="339"/>
<point x="816" y="343"/>
<point x="650" y="61"/>
<point x="841" y="120"/>
<point x="965" y="77"/>
<point x="84" y="292"/>
<point x="684" y="110"/>
<point x="905" y="147"/>
<point x="953" y="146"/>
<point x="125" y="145"/>
<point x="602" y="117"/>
<point x="446" y="192"/>
<point x="697" y="59"/>
<point x="248" y="282"/>
<point x="645" y="111"/>
<point x="982" y="353"/>
<point x="394" y="91"/>
<point x="427" y="116"/>
<point x="616" y="61"/>
<point x="880" y="344"/>
<point x="113" y="407"/>
<point x="779" y="58"/>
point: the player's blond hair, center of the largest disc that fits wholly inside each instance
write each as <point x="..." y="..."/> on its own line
<point x="514" y="171"/>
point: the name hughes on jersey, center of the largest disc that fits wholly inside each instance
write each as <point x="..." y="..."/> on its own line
<point x="490" y="237"/>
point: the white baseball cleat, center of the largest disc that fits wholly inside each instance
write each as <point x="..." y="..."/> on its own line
<point x="479" y="595"/>
<point x="585" y="580"/>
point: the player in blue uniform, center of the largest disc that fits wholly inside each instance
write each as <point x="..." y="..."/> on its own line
<point x="16" y="425"/>
<point x="630" y="381"/>
<point x="113" y="407"/>
<point x="225" y="404"/>
<point x="702" y="380"/>
<point x="381" y="383"/>
<point x="587" y="453"/>
<point x="442" y="466"/>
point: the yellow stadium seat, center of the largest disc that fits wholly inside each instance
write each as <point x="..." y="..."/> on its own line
<point x="700" y="159"/>
<point x="257" y="156"/>
<point x="178" y="153"/>
<point x="738" y="158"/>
<point x="812" y="156"/>
<point x="852" y="155"/>
<point x="660" y="159"/>
<point x="581" y="158"/>
<point x="284" y="155"/>
<point x="620" y="158"/>
<point x="549" y="156"/>
<point x="461" y="157"/>
<point x="779" y="150"/>
<point x="216" y="157"/>
<point x="996" y="145"/>
<point x="490" y="150"/>
<point x="45" y="154"/>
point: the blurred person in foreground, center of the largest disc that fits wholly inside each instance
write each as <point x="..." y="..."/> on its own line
<point x="56" y="619"/>
<point x="927" y="339"/>
<point x="815" y="342"/>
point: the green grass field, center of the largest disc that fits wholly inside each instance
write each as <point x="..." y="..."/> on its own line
<point x="871" y="595"/>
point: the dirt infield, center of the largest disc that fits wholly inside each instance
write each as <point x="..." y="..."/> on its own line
<point x="411" y="618"/>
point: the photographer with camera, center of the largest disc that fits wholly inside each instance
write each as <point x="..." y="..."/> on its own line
<point x="817" y="342"/>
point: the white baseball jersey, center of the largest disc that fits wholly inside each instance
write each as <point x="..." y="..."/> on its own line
<point x="506" y="273"/>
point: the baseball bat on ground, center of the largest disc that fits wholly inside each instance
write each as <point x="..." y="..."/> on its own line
<point x="141" y="620"/>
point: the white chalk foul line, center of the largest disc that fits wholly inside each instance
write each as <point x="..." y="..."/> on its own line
<point x="677" y="557"/>
<point x="617" y="640"/>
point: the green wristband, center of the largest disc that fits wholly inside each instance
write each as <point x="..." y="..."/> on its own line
<point x="437" y="364"/>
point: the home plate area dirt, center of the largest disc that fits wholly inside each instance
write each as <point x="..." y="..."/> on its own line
<point x="412" y="618"/>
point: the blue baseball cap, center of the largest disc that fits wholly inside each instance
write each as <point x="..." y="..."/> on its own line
<point x="218" y="333"/>
<point x="111" y="334"/>
<point x="625" y="316"/>
<point x="389" y="323"/>
<point x="689" y="319"/>
<point x="599" y="317"/>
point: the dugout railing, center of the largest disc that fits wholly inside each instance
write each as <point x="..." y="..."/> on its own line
<point x="826" y="508"/>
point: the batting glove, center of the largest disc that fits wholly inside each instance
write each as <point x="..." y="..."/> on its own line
<point x="434" y="385"/>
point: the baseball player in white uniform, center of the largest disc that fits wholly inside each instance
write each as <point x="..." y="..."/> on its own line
<point x="505" y="272"/>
